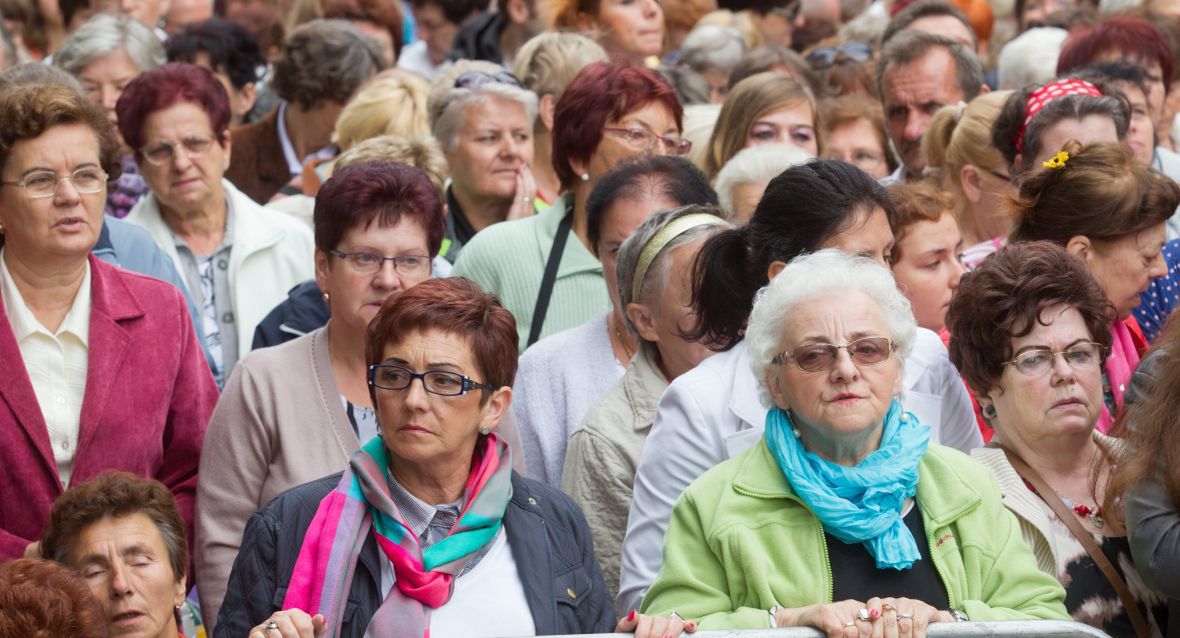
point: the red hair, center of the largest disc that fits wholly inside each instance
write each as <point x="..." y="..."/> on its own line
<point x="42" y="599"/>
<point x="603" y="92"/>
<point x="1133" y="38"/>
<point x="379" y="191"/>
<point x="164" y="87"/>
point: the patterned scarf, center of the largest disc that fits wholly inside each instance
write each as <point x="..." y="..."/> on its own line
<point x="1120" y="365"/>
<point x="362" y="503"/>
<point x="859" y="504"/>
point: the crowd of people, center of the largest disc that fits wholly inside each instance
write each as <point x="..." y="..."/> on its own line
<point x="547" y="317"/>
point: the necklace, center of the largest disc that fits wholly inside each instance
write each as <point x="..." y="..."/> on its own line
<point x="1093" y="513"/>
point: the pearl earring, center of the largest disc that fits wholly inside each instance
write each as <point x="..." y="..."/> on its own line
<point x="585" y="177"/>
<point x="485" y="430"/>
<point x="326" y="297"/>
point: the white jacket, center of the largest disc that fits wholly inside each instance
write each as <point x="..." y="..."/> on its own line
<point x="713" y="413"/>
<point x="271" y="253"/>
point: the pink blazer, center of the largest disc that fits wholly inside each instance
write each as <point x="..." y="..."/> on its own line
<point x="149" y="394"/>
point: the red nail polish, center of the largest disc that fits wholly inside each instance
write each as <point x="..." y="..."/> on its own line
<point x="691" y="626"/>
<point x="874" y="613"/>
<point x="631" y="616"/>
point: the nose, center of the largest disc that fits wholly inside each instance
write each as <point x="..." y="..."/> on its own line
<point x="387" y="278"/>
<point x="1062" y="371"/>
<point x="65" y="193"/>
<point x="843" y="368"/>
<point x="915" y="125"/>
<point x="415" y="395"/>
<point x="120" y="583"/>
<point x="651" y="8"/>
<point x="957" y="270"/>
<point x="1158" y="267"/>
<point x="180" y="159"/>
<point x="110" y="97"/>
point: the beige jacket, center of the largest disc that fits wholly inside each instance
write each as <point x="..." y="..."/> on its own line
<point x="603" y="453"/>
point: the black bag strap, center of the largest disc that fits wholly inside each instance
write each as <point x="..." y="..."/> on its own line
<point x="550" y="276"/>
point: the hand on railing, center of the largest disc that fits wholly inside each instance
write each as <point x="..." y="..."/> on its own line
<point x="645" y="626"/>
<point x="878" y="618"/>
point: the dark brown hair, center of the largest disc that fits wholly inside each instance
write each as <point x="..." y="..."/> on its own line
<point x="1009" y="122"/>
<point x="1003" y="298"/>
<point x="29" y="111"/>
<point x="914" y="203"/>
<point x="42" y="599"/>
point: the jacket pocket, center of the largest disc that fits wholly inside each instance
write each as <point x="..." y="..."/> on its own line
<point x="573" y="589"/>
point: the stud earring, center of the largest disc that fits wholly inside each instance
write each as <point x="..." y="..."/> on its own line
<point x="326" y="297"/>
<point x="989" y="411"/>
<point x="585" y="177"/>
<point x="485" y="430"/>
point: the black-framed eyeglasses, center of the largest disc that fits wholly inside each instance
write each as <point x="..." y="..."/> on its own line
<point x="162" y="153"/>
<point x="1034" y="362"/>
<point x="824" y="57"/>
<point x="670" y="145"/>
<point x="441" y="382"/>
<point x="369" y="263"/>
<point x="472" y="80"/>
<point x="821" y="357"/>
<point x="39" y="184"/>
<point x="998" y="175"/>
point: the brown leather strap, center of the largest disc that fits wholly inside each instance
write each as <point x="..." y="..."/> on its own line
<point x="1067" y="516"/>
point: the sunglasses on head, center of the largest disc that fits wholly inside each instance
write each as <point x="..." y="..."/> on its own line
<point x="824" y="57"/>
<point x="474" y="79"/>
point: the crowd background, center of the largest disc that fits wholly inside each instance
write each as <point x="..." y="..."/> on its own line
<point x="535" y="317"/>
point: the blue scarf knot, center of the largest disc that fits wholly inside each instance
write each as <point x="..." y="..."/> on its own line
<point x="859" y="504"/>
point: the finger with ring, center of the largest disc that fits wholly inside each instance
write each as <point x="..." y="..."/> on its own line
<point x="863" y="614"/>
<point x="674" y="614"/>
<point x="850" y="623"/>
<point x="901" y="616"/>
<point x="271" y="625"/>
<point x="888" y="607"/>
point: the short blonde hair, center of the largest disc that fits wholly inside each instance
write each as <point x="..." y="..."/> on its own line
<point x="547" y="63"/>
<point x="392" y="103"/>
<point x="420" y="151"/>
<point x="751" y="98"/>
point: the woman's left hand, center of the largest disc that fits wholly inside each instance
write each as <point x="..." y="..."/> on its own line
<point x="526" y="191"/>
<point x="903" y="617"/>
<point x="646" y="626"/>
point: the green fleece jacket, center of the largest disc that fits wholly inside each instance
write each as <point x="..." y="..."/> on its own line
<point x="740" y="542"/>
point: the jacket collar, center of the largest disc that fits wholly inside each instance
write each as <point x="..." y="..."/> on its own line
<point x="745" y="401"/>
<point x="325" y="378"/>
<point x="643" y="383"/>
<point x="527" y="535"/>
<point x="576" y="258"/>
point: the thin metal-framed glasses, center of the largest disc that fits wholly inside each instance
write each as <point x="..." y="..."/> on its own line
<point x="441" y="382"/>
<point x="40" y="184"/>
<point x="369" y="263"/>
<point x="671" y="145"/>
<point x="162" y="153"/>
<point x="821" y="357"/>
<point x="1034" y="362"/>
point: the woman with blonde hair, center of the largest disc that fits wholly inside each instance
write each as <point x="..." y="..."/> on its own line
<point x="960" y="156"/>
<point x="763" y="108"/>
<point x="629" y="30"/>
<point x="392" y="103"/>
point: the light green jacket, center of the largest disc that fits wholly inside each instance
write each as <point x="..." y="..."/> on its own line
<point x="741" y="542"/>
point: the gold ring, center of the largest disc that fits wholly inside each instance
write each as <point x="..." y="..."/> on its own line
<point x="888" y="607"/>
<point x="863" y="614"/>
<point x="901" y="616"/>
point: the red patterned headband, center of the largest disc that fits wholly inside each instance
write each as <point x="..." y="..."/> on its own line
<point x="1041" y="98"/>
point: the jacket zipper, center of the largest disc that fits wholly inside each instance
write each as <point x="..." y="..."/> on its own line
<point x="823" y="541"/>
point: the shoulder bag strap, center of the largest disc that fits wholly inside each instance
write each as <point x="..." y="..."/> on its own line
<point x="550" y="276"/>
<point x="1084" y="537"/>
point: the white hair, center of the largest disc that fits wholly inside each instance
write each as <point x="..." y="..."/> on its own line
<point x="755" y="164"/>
<point x="1030" y="58"/>
<point x="811" y="275"/>
<point x="104" y="34"/>
<point x="447" y="104"/>
<point x="712" y="47"/>
<point x="699" y="120"/>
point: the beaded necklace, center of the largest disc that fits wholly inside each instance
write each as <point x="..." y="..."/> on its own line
<point x="1093" y="513"/>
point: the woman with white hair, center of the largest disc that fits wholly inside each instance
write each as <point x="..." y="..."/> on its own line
<point x="712" y="51"/>
<point x="743" y="179"/>
<point x="845" y="515"/>
<point x="1030" y="58"/>
<point x="106" y="54"/>
<point x="483" y="118"/>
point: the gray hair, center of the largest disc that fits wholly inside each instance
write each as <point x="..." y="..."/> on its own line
<point x="656" y="276"/>
<point x="447" y="105"/>
<point x="866" y="27"/>
<point x="910" y="46"/>
<point x="1031" y="57"/>
<point x="105" y="34"/>
<point x="755" y="164"/>
<point x="548" y="62"/>
<point x="712" y="47"/>
<point x="27" y="73"/>
<point x="814" y="274"/>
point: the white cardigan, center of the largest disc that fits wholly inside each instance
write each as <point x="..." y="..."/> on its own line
<point x="713" y="413"/>
<point x="271" y="253"/>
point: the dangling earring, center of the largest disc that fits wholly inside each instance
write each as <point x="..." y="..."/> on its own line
<point x="989" y="411"/>
<point x="796" y="431"/>
<point x="585" y="177"/>
<point x="485" y="430"/>
<point x="326" y="296"/>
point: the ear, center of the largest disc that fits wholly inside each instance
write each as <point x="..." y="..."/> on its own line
<point x="518" y="12"/>
<point x="245" y="99"/>
<point x="1080" y="246"/>
<point x="545" y="111"/>
<point x="641" y="317"/>
<point x="495" y="408"/>
<point x="983" y="88"/>
<point x="970" y="182"/>
<point x="774" y="387"/>
<point x="580" y="167"/>
<point x="775" y="268"/>
<point x="586" y="23"/>
<point x="322" y="264"/>
<point x="229" y="145"/>
<point x="180" y="591"/>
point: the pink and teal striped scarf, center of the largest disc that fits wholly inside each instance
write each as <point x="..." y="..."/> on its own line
<point x="360" y="504"/>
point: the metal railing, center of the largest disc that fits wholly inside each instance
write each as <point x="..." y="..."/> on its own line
<point x="997" y="629"/>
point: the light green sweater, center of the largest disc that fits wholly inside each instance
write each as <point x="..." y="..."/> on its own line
<point x="508" y="260"/>
<point x="740" y="542"/>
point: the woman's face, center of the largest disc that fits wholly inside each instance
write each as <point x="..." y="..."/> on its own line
<point x="354" y="296"/>
<point x="435" y="30"/>
<point x="866" y="235"/>
<point x="184" y="184"/>
<point x="68" y="223"/>
<point x="620" y="220"/>
<point x="848" y="399"/>
<point x="653" y="117"/>
<point x="125" y="561"/>
<point x="1125" y="266"/>
<point x="633" y="29"/>
<point x="666" y="317"/>
<point x="857" y="143"/>
<point x="104" y="79"/>
<point x="929" y="268"/>
<point x="491" y="148"/>
<point x="1063" y="400"/>
<point x="793" y="124"/>
<point x="428" y="430"/>
<point x="1141" y="129"/>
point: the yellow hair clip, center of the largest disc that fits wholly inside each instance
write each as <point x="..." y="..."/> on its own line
<point x="1056" y="162"/>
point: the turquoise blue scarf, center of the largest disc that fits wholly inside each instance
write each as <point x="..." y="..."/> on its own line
<point x="859" y="504"/>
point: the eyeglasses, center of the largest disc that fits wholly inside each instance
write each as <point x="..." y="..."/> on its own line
<point x="441" y="382"/>
<point x="39" y="184"/>
<point x="670" y="145"/>
<point x="472" y="80"/>
<point x="821" y="357"/>
<point x="369" y="263"/>
<point x="1085" y="355"/>
<point x="790" y="12"/>
<point x="163" y="152"/>
<point x="998" y="175"/>
<point x="824" y="57"/>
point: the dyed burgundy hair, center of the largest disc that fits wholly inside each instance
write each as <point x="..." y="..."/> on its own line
<point x="377" y="191"/>
<point x="42" y="599"/>
<point x="603" y="92"/>
<point x="456" y="306"/>
<point x="1130" y="37"/>
<point x="164" y="87"/>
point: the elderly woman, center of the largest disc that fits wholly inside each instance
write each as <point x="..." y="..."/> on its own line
<point x="102" y="368"/>
<point x="854" y="132"/>
<point x="712" y="413"/>
<point x="42" y="598"/>
<point x="1030" y="329"/>
<point x="655" y="291"/>
<point x="629" y="31"/>
<point x="237" y="259"/>
<point x="124" y="535"/>
<point x="712" y="51"/>
<point x="927" y="244"/>
<point x="742" y="181"/>
<point x="106" y="54"/>
<point x="563" y="375"/>
<point x="482" y="116"/>
<point x="542" y="267"/>
<point x="764" y="108"/>
<point x="844" y="505"/>
<point x="1101" y="205"/>
<point x="428" y="531"/>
